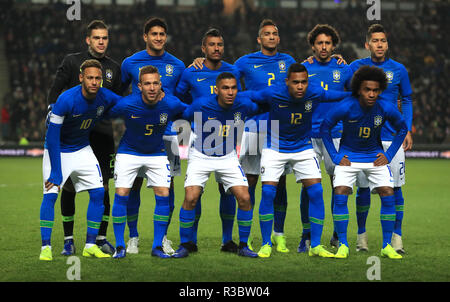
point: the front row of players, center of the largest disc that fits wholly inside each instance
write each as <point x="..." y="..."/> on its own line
<point x="290" y="107"/>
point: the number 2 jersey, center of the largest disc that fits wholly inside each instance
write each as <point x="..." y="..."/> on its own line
<point x="362" y="126"/>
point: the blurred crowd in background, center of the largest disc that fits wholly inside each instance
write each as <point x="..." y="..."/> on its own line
<point x="37" y="37"/>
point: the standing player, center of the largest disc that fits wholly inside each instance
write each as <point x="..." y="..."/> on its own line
<point x="398" y="83"/>
<point x="360" y="149"/>
<point x="101" y="137"/>
<point x="68" y="154"/>
<point x="292" y="105"/>
<point x="142" y="147"/>
<point x="198" y="83"/>
<point x="324" y="70"/>
<point x="170" y="69"/>
<point x="259" y="70"/>
<point x="217" y="120"/>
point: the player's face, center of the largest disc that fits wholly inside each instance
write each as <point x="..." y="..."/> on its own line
<point x="323" y="47"/>
<point x="98" y="41"/>
<point x="91" y="80"/>
<point x="377" y="45"/>
<point x="226" y="91"/>
<point x="297" y="84"/>
<point x="156" y="38"/>
<point x="368" y="93"/>
<point x="213" y="48"/>
<point x="150" y="86"/>
<point x="269" y="38"/>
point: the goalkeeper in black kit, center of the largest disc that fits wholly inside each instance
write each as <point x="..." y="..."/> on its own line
<point x="101" y="138"/>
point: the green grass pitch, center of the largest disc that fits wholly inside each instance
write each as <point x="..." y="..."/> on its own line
<point x="426" y="229"/>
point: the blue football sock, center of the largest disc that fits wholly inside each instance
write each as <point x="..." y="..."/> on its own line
<point x="304" y="211"/>
<point x="47" y="217"/>
<point x="133" y="204"/>
<point x="95" y="212"/>
<point x="244" y="219"/>
<point x="119" y="218"/>
<point x="198" y="214"/>
<point x="387" y="217"/>
<point x="316" y="212"/>
<point x="399" y="206"/>
<point x="341" y="217"/>
<point x="160" y="219"/>
<point x="266" y="212"/>
<point x="227" y="209"/>
<point x="362" y="208"/>
<point x="280" y="206"/>
<point x="251" y="191"/>
<point x="187" y="219"/>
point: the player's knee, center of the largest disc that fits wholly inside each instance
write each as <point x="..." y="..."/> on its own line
<point x="342" y="190"/>
<point x="123" y="191"/>
<point x="385" y="191"/>
<point x="244" y="201"/>
<point x="161" y="191"/>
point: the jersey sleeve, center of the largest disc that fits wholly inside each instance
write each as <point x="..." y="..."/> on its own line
<point x="263" y="96"/>
<point x="398" y="122"/>
<point x="125" y="76"/>
<point x="406" y="92"/>
<point x="330" y="95"/>
<point x="183" y="86"/>
<point x="177" y="107"/>
<point x="334" y="115"/>
<point x="188" y="113"/>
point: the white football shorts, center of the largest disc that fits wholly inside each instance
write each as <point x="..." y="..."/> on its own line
<point x="376" y="176"/>
<point x="322" y="153"/>
<point x="81" y="166"/>
<point x="227" y="169"/>
<point x="304" y="164"/>
<point x="155" y="168"/>
<point x="397" y="164"/>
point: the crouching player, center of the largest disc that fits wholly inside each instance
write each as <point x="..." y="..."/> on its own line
<point x="142" y="148"/>
<point x="360" y="149"/>
<point x="68" y="154"/>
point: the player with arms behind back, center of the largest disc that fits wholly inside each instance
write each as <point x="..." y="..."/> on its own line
<point x="363" y="116"/>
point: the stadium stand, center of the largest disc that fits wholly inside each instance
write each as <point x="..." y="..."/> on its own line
<point x="38" y="36"/>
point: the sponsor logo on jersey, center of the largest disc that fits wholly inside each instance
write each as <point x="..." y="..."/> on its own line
<point x="202" y="79"/>
<point x="257" y="66"/>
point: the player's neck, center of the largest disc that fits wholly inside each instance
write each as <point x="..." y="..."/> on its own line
<point x="88" y="96"/>
<point x="96" y="54"/>
<point x="153" y="103"/>
<point x="269" y="52"/>
<point x="378" y="60"/>
<point x="323" y="61"/>
<point x="213" y="65"/>
<point x="155" y="53"/>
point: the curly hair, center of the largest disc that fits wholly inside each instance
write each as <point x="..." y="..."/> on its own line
<point x="325" y="29"/>
<point x="368" y="73"/>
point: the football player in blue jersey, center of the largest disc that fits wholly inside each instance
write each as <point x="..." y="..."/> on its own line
<point x="68" y="154"/>
<point x="291" y="107"/>
<point x="326" y="71"/>
<point x="170" y="69"/>
<point x="398" y="84"/>
<point x="193" y="84"/>
<point x="364" y="115"/>
<point x="217" y="120"/>
<point x="142" y="148"/>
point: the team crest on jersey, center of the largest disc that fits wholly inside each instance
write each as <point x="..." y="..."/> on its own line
<point x="389" y="76"/>
<point x="108" y="75"/>
<point x="100" y="110"/>
<point x="169" y="69"/>
<point x="336" y="75"/>
<point x="282" y="65"/>
<point x="308" y="106"/>
<point x="237" y="117"/>
<point x="378" y="120"/>
<point x="163" y="118"/>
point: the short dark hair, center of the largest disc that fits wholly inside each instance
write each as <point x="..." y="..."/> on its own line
<point x="212" y="32"/>
<point x="155" y="21"/>
<point x="325" y="29"/>
<point x="374" y="28"/>
<point x="90" y="63"/>
<point x="95" y="24"/>
<point x="368" y="73"/>
<point x="223" y="76"/>
<point x="265" y="22"/>
<point x="148" y="69"/>
<point x="296" y="67"/>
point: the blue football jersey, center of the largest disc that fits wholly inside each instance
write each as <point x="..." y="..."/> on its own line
<point x="398" y="85"/>
<point x="201" y="82"/>
<point x="329" y="75"/>
<point x="146" y="125"/>
<point x="80" y="115"/>
<point x="259" y="71"/>
<point x="216" y="128"/>
<point x="294" y="116"/>
<point x="361" y="137"/>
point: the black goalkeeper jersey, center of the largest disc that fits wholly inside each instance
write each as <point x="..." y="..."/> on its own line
<point x="67" y="76"/>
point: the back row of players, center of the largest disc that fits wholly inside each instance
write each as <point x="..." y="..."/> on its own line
<point x="298" y="96"/>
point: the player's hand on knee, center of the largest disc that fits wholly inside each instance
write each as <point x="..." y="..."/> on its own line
<point x="345" y="161"/>
<point x="49" y="185"/>
<point x="381" y="160"/>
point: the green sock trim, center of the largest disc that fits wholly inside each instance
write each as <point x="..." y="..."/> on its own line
<point x="316" y="220"/>
<point x="266" y="217"/>
<point x="93" y="224"/>
<point x="361" y="209"/>
<point x="160" y="218"/>
<point x="387" y="217"/>
<point x="119" y="219"/>
<point x="186" y="225"/>
<point x="245" y="223"/>
<point x="46" y="223"/>
<point x="132" y="218"/>
<point x="68" y="218"/>
<point x="340" y="217"/>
